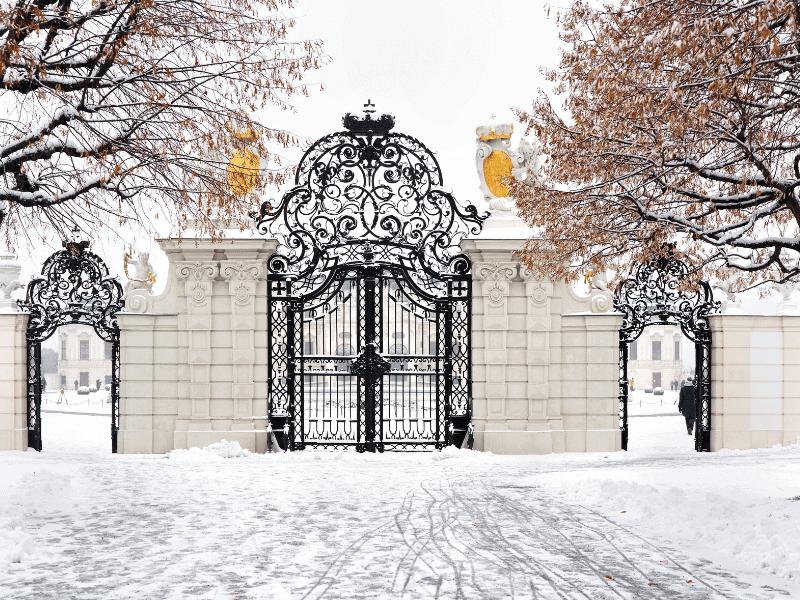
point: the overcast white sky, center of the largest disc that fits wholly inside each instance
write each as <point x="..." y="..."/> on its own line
<point x="441" y="67"/>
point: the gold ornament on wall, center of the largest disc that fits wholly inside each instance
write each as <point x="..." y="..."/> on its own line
<point x="496" y="167"/>
<point x="243" y="166"/>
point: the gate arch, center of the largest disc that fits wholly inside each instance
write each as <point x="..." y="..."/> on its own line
<point x="75" y="287"/>
<point x="369" y="255"/>
<point x="655" y="295"/>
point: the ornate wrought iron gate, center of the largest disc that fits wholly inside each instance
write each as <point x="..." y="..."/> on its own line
<point x="75" y="287"/>
<point x="656" y="295"/>
<point x="369" y="297"/>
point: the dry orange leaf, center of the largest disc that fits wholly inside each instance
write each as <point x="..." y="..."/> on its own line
<point x="688" y="581"/>
<point x="609" y="577"/>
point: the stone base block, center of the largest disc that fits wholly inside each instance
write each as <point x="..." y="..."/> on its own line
<point x="518" y="442"/>
<point x="604" y="440"/>
<point x="15" y="439"/>
<point x="135" y="441"/>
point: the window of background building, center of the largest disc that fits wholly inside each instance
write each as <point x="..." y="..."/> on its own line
<point x="656" y="350"/>
<point x="632" y="351"/>
<point x="85" y="377"/>
<point x="109" y="347"/>
<point x="63" y="349"/>
<point x="677" y="349"/>
<point x="85" y="350"/>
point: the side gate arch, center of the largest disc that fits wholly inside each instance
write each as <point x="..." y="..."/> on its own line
<point x="74" y="288"/>
<point x="369" y="297"/>
<point x="656" y="295"/>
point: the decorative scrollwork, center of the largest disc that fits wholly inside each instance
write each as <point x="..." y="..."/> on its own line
<point x="655" y="295"/>
<point x="370" y="363"/>
<point x="75" y="287"/>
<point x="368" y="187"/>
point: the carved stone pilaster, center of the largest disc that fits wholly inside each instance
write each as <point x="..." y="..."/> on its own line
<point x="495" y="286"/>
<point x="242" y="277"/>
<point x="539" y="291"/>
<point x="198" y="277"/>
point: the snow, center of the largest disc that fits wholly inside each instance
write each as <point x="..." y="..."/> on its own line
<point x="221" y="522"/>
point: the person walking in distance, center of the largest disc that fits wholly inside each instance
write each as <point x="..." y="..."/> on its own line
<point x="686" y="404"/>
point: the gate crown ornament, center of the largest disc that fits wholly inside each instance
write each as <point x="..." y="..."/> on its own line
<point x="363" y="185"/>
<point x="653" y="295"/>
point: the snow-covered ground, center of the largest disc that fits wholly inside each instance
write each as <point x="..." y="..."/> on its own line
<point x="659" y="521"/>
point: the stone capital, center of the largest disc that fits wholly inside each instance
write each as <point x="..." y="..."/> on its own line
<point x="242" y="270"/>
<point x="197" y="271"/>
<point x="496" y="271"/>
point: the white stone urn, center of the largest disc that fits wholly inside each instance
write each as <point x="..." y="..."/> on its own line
<point x="785" y="305"/>
<point x="9" y="281"/>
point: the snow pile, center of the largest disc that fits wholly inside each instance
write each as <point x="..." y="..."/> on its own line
<point x="36" y="493"/>
<point x="452" y="452"/>
<point x="211" y="453"/>
<point x="761" y="533"/>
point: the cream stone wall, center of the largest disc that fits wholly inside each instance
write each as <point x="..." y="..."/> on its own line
<point x="13" y="392"/>
<point x="194" y="358"/>
<point x="755" y="381"/>
<point x="544" y="360"/>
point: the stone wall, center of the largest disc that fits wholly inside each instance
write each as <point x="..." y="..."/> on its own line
<point x="544" y="361"/>
<point x="755" y="381"/>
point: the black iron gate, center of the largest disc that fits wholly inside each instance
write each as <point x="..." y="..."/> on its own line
<point x="75" y="287"/>
<point x="657" y="295"/>
<point x="369" y="297"/>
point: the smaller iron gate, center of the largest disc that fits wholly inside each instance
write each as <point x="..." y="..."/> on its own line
<point x="656" y="295"/>
<point x="75" y="287"/>
<point x="369" y="297"/>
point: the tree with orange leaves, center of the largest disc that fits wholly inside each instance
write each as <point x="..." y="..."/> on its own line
<point x="125" y="110"/>
<point x="681" y="124"/>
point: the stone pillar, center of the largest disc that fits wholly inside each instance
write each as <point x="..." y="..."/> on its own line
<point x="198" y="278"/>
<point x="495" y="279"/>
<point x="791" y="380"/>
<point x="544" y="359"/>
<point x="13" y="381"/>
<point x="755" y="383"/>
<point x="538" y="324"/>
<point x="242" y="277"/>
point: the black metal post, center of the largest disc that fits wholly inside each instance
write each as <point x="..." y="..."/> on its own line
<point x="702" y="395"/>
<point x="34" y="395"/>
<point x="115" y="378"/>
<point x="290" y="366"/>
<point x="369" y="335"/>
<point x="448" y="365"/>
<point x="623" y="390"/>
